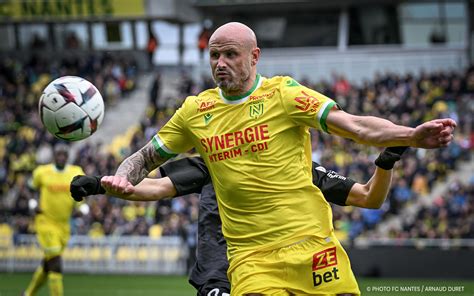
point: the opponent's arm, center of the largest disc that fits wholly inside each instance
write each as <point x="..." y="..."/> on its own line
<point x="180" y="177"/>
<point x="372" y="194"/>
<point x="344" y="191"/>
<point x="184" y="176"/>
<point x="376" y="131"/>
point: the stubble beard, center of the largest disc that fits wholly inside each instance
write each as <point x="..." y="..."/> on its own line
<point x="234" y="85"/>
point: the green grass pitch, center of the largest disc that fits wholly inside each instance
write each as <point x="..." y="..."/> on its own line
<point x="11" y="284"/>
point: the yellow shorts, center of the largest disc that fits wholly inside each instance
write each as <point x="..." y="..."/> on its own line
<point x="313" y="266"/>
<point x="51" y="236"/>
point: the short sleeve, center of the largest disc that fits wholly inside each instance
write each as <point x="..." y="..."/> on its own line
<point x="188" y="175"/>
<point x="305" y="106"/>
<point x="334" y="187"/>
<point x="172" y="137"/>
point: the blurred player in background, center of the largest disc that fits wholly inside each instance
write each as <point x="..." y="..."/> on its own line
<point x="52" y="219"/>
<point x="253" y="134"/>
<point x="190" y="175"/>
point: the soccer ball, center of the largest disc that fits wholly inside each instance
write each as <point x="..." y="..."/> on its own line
<point x="71" y="108"/>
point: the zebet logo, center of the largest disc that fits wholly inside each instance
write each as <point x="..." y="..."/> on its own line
<point x="322" y="260"/>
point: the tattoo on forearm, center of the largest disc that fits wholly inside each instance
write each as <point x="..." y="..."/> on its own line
<point x="137" y="166"/>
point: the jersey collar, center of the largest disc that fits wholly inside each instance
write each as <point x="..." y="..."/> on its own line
<point x="242" y="98"/>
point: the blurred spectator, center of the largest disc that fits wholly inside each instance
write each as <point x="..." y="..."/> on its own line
<point x="152" y="44"/>
<point x="71" y="41"/>
<point x="155" y="91"/>
<point x="203" y="39"/>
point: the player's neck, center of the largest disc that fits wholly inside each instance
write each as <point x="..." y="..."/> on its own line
<point x="59" y="168"/>
<point x="249" y="87"/>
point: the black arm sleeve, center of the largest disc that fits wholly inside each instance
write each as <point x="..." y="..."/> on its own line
<point x="188" y="175"/>
<point x="334" y="187"/>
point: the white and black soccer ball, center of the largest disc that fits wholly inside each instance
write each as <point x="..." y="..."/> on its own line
<point x="71" y="108"/>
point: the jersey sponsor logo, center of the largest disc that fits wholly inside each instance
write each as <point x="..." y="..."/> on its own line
<point x="204" y="106"/>
<point x="307" y="102"/>
<point x="321" y="260"/>
<point x="58" y="187"/>
<point x="328" y="276"/>
<point x="325" y="258"/>
<point x="256" y="110"/>
<point x="321" y="169"/>
<point x="217" y="292"/>
<point x="334" y="175"/>
<point x="236" y="144"/>
<point x="207" y="118"/>
<point x="261" y="97"/>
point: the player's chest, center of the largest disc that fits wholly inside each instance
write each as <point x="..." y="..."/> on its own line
<point x="54" y="182"/>
<point x="214" y="117"/>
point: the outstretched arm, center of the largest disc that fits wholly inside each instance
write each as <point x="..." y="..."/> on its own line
<point x="344" y="191"/>
<point x="372" y="194"/>
<point x="376" y="131"/>
<point x="147" y="190"/>
<point x="180" y="177"/>
<point x="133" y="170"/>
<point x="138" y="165"/>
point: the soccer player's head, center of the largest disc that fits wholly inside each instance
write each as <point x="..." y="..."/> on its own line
<point x="61" y="153"/>
<point x="234" y="55"/>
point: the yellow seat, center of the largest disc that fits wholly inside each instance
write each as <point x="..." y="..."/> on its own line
<point x="155" y="231"/>
<point x="6" y="236"/>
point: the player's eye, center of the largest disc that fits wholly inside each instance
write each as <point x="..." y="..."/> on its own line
<point x="214" y="55"/>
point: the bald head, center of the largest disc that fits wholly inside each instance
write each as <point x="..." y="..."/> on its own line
<point x="233" y="56"/>
<point x="236" y="32"/>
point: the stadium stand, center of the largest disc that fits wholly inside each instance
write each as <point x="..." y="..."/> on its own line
<point x="403" y="99"/>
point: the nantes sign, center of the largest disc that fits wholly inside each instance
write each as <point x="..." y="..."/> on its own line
<point x="30" y="10"/>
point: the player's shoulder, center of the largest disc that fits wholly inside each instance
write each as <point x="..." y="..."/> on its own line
<point x="280" y="81"/>
<point x="206" y="95"/>
<point x="43" y="168"/>
<point x="203" y="101"/>
<point x="74" y="168"/>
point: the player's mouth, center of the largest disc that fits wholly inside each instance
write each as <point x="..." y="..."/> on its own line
<point x="222" y="74"/>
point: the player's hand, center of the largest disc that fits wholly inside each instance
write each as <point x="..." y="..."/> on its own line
<point x="389" y="156"/>
<point x="434" y="133"/>
<point x="82" y="186"/>
<point x="117" y="185"/>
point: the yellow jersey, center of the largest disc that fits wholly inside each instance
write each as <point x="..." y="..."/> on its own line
<point x="257" y="148"/>
<point x="55" y="201"/>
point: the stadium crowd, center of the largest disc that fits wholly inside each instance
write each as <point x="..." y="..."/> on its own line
<point x="24" y="142"/>
<point x="407" y="100"/>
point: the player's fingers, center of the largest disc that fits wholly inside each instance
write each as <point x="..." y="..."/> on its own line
<point x="116" y="183"/>
<point x="106" y="182"/>
<point x="129" y="189"/>
<point x="446" y="132"/>
<point x="435" y="127"/>
<point x="446" y="122"/>
<point x="123" y="185"/>
<point x="445" y="141"/>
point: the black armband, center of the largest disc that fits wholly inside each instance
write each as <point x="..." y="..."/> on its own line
<point x="188" y="175"/>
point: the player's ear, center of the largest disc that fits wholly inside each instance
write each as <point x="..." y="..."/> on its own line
<point x="255" y="56"/>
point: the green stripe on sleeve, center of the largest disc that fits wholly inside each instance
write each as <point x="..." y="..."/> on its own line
<point x="161" y="148"/>
<point x="322" y="120"/>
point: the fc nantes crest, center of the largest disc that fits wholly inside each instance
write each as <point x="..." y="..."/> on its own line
<point x="256" y="109"/>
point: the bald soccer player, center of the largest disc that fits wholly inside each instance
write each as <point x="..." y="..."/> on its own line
<point x="253" y="134"/>
<point x="190" y="175"/>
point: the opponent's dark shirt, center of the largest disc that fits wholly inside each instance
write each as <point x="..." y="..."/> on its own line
<point x="190" y="175"/>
